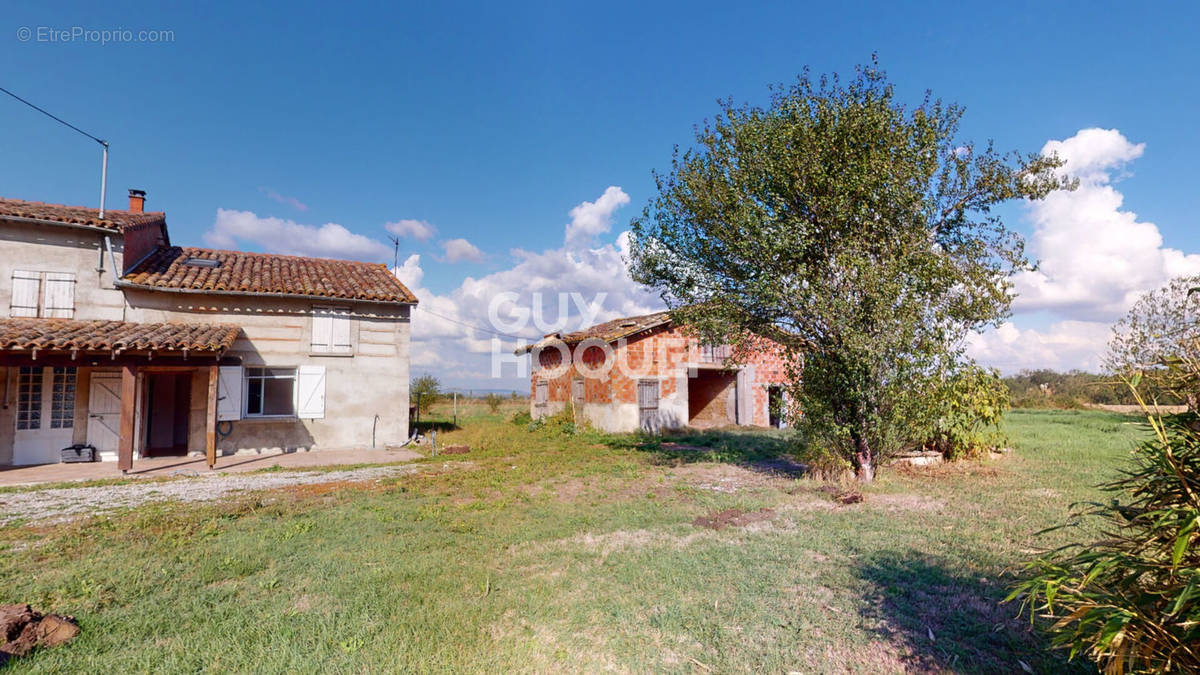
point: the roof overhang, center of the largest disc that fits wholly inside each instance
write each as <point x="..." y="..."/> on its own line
<point x="28" y="341"/>
<point x="121" y="283"/>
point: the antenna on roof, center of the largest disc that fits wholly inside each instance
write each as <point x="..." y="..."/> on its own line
<point x="102" y="142"/>
<point x="396" y="257"/>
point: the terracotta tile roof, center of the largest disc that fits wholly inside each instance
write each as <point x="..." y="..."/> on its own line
<point x="171" y="268"/>
<point x="105" y="336"/>
<point x="609" y="331"/>
<point x="76" y="215"/>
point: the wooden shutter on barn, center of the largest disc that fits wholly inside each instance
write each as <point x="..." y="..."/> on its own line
<point x="59" y="302"/>
<point x="26" y="292"/>
<point x="647" y="394"/>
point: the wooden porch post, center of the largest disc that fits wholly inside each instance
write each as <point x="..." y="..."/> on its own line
<point x="128" y="403"/>
<point x="210" y="418"/>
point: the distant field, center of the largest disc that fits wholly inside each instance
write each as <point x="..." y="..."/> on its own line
<point x="538" y="551"/>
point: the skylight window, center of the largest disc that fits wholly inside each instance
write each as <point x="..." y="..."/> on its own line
<point x="202" y="262"/>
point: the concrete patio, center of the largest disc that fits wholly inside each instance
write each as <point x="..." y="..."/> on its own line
<point x="158" y="467"/>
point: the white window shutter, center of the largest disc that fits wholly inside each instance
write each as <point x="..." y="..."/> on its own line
<point x="229" y="393"/>
<point x="60" y="295"/>
<point x="310" y="392"/>
<point x="340" y="319"/>
<point x="322" y="331"/>
<point x="26" y="289"/>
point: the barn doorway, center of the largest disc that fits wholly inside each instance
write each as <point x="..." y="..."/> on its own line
<point x="168" y="401"/>
<point x="712" y="399"/>
<point x="776" y="406"/>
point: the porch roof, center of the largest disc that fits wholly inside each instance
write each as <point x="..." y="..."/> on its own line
<point x="72" y="335"/>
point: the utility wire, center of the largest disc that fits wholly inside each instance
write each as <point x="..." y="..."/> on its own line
<point x="55" y="117"/>
<point x="469" y="325"/>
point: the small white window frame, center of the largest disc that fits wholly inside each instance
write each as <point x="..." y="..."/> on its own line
<point x="246" y="377"/>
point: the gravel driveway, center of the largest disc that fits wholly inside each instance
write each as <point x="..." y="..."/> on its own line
<point x="59" y="504"/>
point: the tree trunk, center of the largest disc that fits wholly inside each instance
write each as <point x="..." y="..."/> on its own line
<point x="862" y="457"/>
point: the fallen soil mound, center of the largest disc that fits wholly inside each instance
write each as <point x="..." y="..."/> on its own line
<point x="22" y="628"/>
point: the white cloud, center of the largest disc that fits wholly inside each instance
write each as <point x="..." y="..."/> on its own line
<point x="590" y="219"/>
<point x="1065" y="345"/>
<point x="458" y="322"/>
<point x="461" y="250"/>
<point x="1095" y="258"/>
<point x="410" y="273"/>
<point x="284" y="199"/>
<point x="279" y="235"/>
<point x="415" y="229"/>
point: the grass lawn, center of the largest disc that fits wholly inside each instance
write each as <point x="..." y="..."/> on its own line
<point x="539" y="551"/>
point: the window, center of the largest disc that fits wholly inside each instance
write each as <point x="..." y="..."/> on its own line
<point x="202" y="262"/>
<point x="331" y="330"/>
<point x="62" y="409"/>
<point x="270" y="392"/>
<point x="44" y="294"/>
<point x="577" y="390"/>
<point x="29" y="398"/>
<point x="542" y="392"/>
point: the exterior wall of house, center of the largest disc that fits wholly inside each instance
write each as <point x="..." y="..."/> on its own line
<point x="372" y="380"/>
<point x="49" y="248"/>
<point x="671" y="359"/>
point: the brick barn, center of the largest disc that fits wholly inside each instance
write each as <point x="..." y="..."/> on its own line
<point x="644" y="372"/>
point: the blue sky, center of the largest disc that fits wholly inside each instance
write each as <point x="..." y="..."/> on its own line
<point x="492" y="121"/>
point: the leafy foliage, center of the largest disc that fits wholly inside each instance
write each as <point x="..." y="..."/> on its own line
<point x="1161" y="328"/>
<point x="493" y="401"/>
<point x="1131" y="599"/>
<point x="972" y="402"/>
<point x="428" y="388"/>
<point x="852" y="230"/>
<point x="1044" y="388"/>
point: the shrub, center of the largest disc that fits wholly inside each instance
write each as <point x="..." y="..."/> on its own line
<point x="521" y="418"/>
<point x="428" y="388"/>
<point x="972" y="404"/>
<point x="1130" y="600"/>
<point x="493" y="402"/>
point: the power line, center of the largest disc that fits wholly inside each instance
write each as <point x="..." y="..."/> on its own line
<point x="54" y="117"/>
<point x="469" y="325"/>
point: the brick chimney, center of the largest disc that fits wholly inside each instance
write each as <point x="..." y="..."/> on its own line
<point x="137" y="201"/>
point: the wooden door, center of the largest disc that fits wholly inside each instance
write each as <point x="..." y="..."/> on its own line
<point x="104" y="414"/>
<point x="647" y="395"/>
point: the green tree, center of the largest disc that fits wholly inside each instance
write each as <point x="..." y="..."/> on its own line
<point x="1163" y="327"/>
<point x="854" y="231"/>
<point x="429" y="389"/>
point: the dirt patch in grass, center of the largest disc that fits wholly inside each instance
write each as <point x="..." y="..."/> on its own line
<point x="733" y="518"/>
